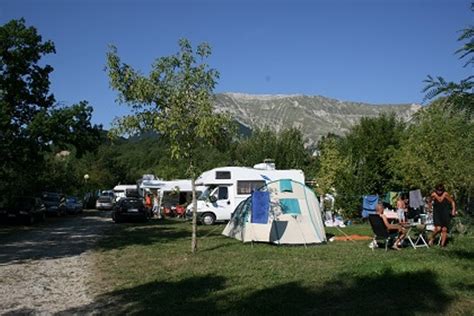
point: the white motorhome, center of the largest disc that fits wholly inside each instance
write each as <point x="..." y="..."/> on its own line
<point x="226" y="187"/>
<point x="120" y="191"/>
<point x="171" y="193"/>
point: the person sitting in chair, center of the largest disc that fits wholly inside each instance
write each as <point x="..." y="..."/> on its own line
<point x="392" y="228"/>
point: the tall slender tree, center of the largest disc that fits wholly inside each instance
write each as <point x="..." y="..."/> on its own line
<point x="24" y="93"/>
<point x="175" y="99"/>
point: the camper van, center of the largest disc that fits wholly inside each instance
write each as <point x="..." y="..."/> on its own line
<point x="172" y="194"/>
<point x="123" y="190"/>
<point x="226" y="187"/>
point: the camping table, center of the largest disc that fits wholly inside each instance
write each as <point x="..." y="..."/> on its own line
<point x="420" y="241"/>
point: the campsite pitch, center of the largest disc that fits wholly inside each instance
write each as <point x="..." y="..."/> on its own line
<point x="148" y="269"/>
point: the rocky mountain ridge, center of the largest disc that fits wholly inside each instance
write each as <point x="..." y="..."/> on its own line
<point x="316" y="116"/>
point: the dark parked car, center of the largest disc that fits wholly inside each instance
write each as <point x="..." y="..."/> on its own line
<point x="89" y="200"/>
<point x="25" y="209"/>
<point x="55" y="203"/>
<point x="73" y="205"/>
<point x="130" y="208"/>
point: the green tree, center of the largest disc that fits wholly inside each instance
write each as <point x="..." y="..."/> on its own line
<point x="286" y="147"/>
<point x="332" y="165"/>
<point x="31" y="125"/>
<point x="69" y="126"/>
<point x="358" y="163"/>
<point x="175" y="100"/>
<point x="24" y="93"/>
<point x="369" y="146"/>
<point x="336" y="176"/>
<point x="261" y="144"/>
<point x="459" y="96"/>
<point x="291" y="150"/>
<point x="438" y="148"/>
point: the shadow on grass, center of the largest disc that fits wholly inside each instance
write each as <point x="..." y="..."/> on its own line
<point x="188" y="296"/>
<point x="407" y="293"/>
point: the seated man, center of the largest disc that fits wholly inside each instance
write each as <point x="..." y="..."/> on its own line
<point x="392" y="228"/>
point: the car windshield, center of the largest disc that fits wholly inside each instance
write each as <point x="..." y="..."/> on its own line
<point x="105" y="199"/>
<point x="205" y="194"/>
<point x="71" y="200"/>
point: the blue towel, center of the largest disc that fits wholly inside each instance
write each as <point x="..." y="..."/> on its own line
<point x="369" y="203"/>
<point x="285" y="185"/>
<point x="290" y="206"/>
<point x="366" y="213"/>
<point x="260" y="206"/>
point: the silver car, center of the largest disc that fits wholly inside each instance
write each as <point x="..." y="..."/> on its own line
<point x="104" y="202"/>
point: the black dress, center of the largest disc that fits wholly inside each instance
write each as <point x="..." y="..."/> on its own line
<point x="441" y="212"/>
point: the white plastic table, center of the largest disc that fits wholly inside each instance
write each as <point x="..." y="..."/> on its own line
<point x="420" y="241"/>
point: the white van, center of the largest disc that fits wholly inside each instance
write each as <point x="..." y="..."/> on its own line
<point x="226" y="187"/>
<point x="120" y="191"/>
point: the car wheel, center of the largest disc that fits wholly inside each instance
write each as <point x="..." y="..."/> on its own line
<point x="208" y="219"/>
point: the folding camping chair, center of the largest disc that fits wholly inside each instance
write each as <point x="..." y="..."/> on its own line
<point x="380" y="230"/>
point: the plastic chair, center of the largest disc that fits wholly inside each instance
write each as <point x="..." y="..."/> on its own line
<point x="380" y="230"/>
<point x="180" y="211"/>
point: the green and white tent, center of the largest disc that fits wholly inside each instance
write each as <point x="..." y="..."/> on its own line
<point x="283" y="212"/>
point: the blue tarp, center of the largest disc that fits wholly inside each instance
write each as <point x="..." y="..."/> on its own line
<point x="369" y="202"/>
<point x="260" y="206"/>
<point x="285" y="185"/>
<point x="290" y="206"/>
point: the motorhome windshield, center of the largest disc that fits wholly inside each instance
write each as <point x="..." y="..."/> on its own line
<point x="205" y="194"/>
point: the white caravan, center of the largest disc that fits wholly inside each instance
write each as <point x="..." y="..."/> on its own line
<point x="171" y="193"/>
<point x="120" y="191"/>
<point x="226" y="187"/>
<point x="151" y="184"/>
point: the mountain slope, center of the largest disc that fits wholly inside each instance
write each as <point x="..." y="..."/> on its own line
<point x="315" y="116"/>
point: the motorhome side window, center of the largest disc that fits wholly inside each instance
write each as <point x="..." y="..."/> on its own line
<point x="222" y="174"/>
<point x="222" y="194"/>
<point x="247" y="187"/>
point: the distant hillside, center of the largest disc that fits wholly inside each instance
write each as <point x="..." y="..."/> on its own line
<point x="316" y="116"/>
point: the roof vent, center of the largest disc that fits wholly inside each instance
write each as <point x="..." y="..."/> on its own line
<point x="267" y="164"/>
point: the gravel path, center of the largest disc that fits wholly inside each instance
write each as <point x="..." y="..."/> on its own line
<point x="46" y="269"/>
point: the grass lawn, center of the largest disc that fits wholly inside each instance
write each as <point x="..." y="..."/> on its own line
<point x="147" y="268"/>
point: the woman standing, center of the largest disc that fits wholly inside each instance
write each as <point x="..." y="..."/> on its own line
<point x="442" y="203"/>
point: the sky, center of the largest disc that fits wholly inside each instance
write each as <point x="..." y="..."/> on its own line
<point x="375" y="51"/>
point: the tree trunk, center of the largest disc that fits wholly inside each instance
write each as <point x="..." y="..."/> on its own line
<point x="321" y="203"/>
<point x="194" y="237"/>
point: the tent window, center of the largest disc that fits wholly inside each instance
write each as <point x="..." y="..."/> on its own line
<point x="290" y="206"/>
<point x="222" y="174"/>
<point x="247" y="187"/>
